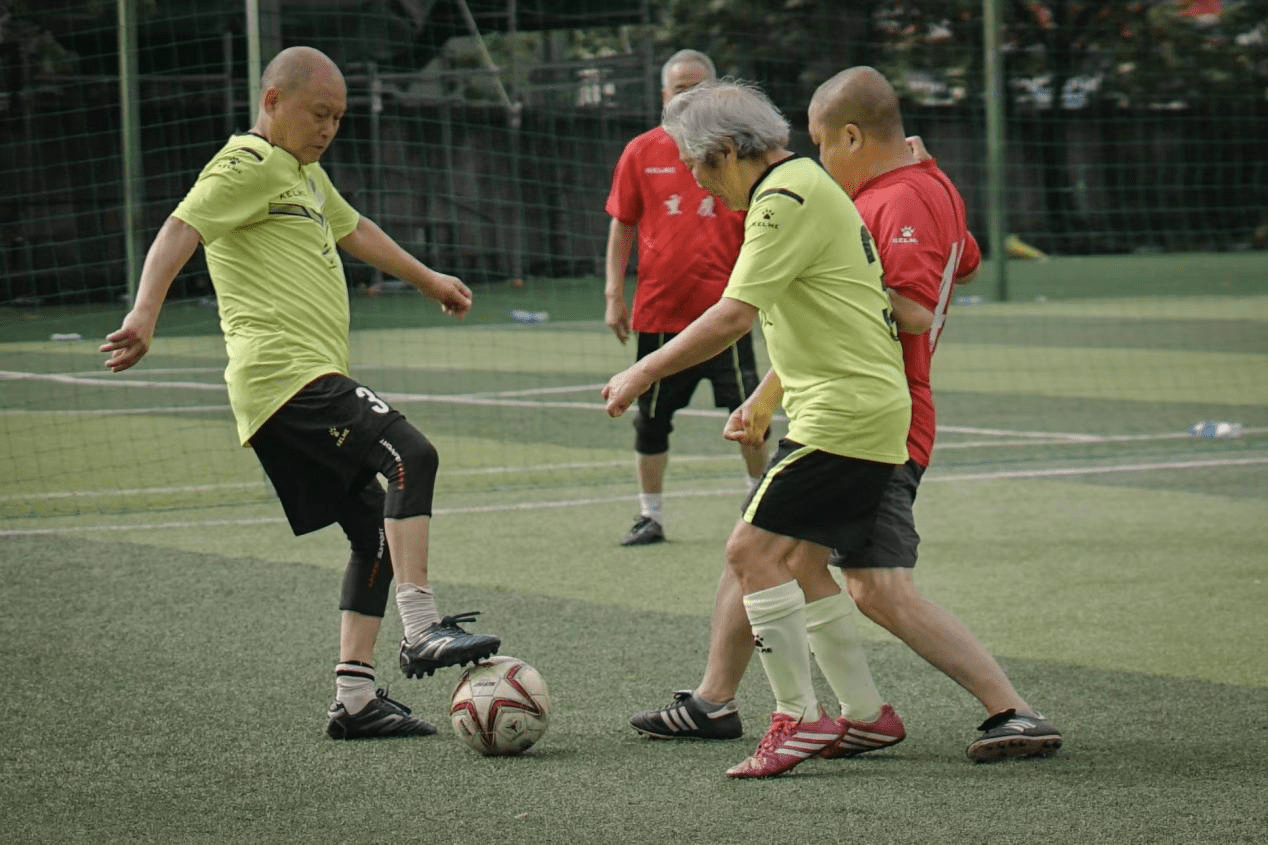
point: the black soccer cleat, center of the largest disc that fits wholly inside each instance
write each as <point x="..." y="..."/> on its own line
<point x="685" y="719"/>
<point x="1006" y="735"/>
<point x="446" y="644"/>
<point x="383" y="717"/>
<point x="645" y="532"/>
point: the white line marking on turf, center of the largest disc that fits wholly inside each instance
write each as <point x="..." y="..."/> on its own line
<point x="542" y="391"/>
<point x="61" y="378"/>
<point x="505" y="398"/>
<point x="1002" y="432"/>
<point x="247" y="485"/>
<point x="1056" y="472"/>
<point x="151" y="371"/>
<point x="114" y="412"/>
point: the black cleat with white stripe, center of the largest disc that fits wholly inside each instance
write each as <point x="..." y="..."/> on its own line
<point x="383" y="717"/>
<point x="1007" y="734"/>
<point x="685" y="719"/>
<point x="446" y="644"/>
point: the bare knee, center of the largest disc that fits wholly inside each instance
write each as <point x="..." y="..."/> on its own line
<point x="758" y="558"/>
<point x="882" y="594"/>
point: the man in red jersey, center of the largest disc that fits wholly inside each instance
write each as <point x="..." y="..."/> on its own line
<point x="687" y="244"/>
<point x="917" y="218"/>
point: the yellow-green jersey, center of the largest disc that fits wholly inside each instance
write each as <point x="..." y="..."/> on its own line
<point x="809" y="265"/>
<point x="269" y="226"/>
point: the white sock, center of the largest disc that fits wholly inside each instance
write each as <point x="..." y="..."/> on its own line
<point x="839" y="652"/>
<point x="354" y="685"/>
<point x="417" y="606"/>
<point x="778" y="617"/>
<point x="649" y="504"/>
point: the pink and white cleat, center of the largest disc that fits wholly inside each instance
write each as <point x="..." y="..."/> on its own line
<point x="860" y="737"/>
<point x="787" y="743"/>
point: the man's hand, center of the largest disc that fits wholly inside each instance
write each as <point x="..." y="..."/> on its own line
<point x="624" y="388"/>
<point x="617" y="318"/>
<point x="747" y="425"/>
<point x="129" y="343"/>
<point x="454" y="296"/>
<point x="917" y="147"/>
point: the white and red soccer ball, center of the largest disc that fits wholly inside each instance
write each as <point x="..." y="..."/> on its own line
<point x="500" y="706"/>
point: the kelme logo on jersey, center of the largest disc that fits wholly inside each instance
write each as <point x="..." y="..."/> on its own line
<point x="765" y="220"/>
<point x="906" y="235"/>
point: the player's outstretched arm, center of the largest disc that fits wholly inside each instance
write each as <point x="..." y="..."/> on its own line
<point x="725" y="322"/>
<point x="373" y="246"/>
<point x="172" y="248"/>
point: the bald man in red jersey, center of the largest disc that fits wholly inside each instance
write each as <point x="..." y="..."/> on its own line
<point x="917" y="219"/>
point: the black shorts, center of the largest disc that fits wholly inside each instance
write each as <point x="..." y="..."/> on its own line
<point x="732" y="372"/>
<point x="314" y="449"/>
<point x="818" y="496"/>
<point x="893" y="541"/>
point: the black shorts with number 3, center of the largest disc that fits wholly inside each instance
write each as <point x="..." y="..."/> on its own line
<point x="314" y="448"/>
<point x="814" y="495"/>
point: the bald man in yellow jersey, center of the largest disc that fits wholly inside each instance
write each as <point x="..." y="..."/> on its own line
<point x="271" y="224"/>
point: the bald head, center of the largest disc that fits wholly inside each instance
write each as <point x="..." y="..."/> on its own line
<point x="862" y="96"/>
<point x="296" y="67"/>
<point x="302" y="102"/>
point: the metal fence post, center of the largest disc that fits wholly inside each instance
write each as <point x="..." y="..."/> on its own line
<point x="130" y="142"/>
<point x="993" y="71"/>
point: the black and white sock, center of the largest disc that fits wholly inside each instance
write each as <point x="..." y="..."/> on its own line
<point x="354" y="685"/>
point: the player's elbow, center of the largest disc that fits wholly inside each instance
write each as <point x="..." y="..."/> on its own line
<point x="911" y="316"/>
<point x="915" y="323"/>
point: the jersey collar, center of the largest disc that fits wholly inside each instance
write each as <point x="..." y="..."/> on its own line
<point x="752" y="192"/>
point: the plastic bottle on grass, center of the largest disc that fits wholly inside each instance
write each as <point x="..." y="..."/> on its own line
<point x="1215" y="429"/>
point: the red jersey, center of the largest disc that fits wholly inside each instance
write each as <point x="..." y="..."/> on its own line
<point x="687" y="238"/>
<point x="916" y="216"/>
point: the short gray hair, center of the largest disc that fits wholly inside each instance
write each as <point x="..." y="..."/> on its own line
<point x="704" y="118"/>
<point x="686" y="57"/>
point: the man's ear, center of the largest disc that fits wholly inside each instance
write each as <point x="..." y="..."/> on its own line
<point x="853" y="136"/>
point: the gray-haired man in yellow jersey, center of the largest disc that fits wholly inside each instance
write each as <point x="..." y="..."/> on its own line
<point x="835" y="355"/>
<point x="271" y="223"/>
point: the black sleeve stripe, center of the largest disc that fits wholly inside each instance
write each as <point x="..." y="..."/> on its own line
<point x="258" y="157"/>
<point x="783" y="191"/>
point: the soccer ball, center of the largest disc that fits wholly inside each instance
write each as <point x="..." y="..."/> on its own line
<point x="500" y="706"/>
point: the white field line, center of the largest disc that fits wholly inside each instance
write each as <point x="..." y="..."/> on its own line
<point x="1065" y="439"/>
<point x="1059" y="472"/>
<point x="64" y="378"/>
<point x="104" y="374"/>
<point x="507" y="398"/>
<point x="115" y="412"/>
<point x="247" y="485"/>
